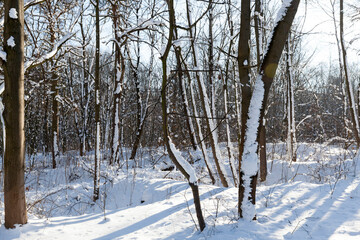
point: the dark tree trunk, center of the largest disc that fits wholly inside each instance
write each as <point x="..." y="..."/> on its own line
<point x="243" y="62"/>
<point x="193" y="185"/>
<point x="263" y="83"/>
<point x="14" y="162"/>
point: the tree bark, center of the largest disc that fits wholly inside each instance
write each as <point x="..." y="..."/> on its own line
<point x="97" y="105"/>
<point x="349" y="89"/>
<point x="193" y="185"/>
<point x="14" y="162"/>
<point x="247" y="192"/>
<point x="290" y="106"/>
<point x="244" y="75"/>
<point x="207" y="111"/>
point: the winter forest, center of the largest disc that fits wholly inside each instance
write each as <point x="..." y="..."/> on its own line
<point x="179" y="119"/>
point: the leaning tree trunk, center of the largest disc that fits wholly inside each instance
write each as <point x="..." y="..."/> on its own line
<point x="249" y="169"/>
<point x="14" y="162"/>
<point x="184" y="167"/>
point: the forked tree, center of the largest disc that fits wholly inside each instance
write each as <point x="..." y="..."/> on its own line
<point x="255" y="115"/>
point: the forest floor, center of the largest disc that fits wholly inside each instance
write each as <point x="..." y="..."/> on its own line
<point x="316" y="197"/>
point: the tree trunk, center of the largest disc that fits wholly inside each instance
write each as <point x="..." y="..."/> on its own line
<point x="179" y="165"/>
<point x="119" y="78"/>
<point x="97" y="105"/>
<point x="249" y="169"/>
<point x="14" y="162"/>
<point x="207" y="112"/>
<point x="349" y="89"/>
<point x="244" y="75"/>
<point x="262" y="138"/>
<point x="291" y="141"/>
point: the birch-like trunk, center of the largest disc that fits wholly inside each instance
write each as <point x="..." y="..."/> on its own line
<point x="97" y="104"/>
<point x="291" y="137"/>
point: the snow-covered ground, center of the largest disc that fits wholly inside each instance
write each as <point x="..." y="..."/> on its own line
<point x="315" y="198"/>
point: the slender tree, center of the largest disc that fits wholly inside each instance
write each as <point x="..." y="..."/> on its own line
<point x="97" y="103"/>
<point x="349" y="88"/>
<point x="174" y="154"/>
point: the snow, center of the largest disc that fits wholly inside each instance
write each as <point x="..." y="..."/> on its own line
<point x="11" y="42"/>
<point x="55" y="141"/>
<point x="3" y="55"/>
<point x="147" y="206"/>
<point x="184" y="164"/>
<point x="13" y="13"/>
<point x="249" y="165"/>
<point x="283" y="9"/>
<point x="48" y="55"/>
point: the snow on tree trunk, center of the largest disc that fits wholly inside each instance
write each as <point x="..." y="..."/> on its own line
<point x="291" y="137"/>
<point x="97" y="104"/>
<point x="228" y="137"/>
<point x="206" y="106"/>
<point x="218" y="158"/>
<point x="208" y="163"/>
<point x="249" y="164"/>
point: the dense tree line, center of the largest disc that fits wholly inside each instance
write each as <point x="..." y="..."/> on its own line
<point x="180" y="74"/>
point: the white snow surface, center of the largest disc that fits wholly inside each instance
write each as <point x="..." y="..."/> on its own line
<point x="11" y="41"/>
<point x="13" y="13"/>
<point x="3" y="55"/>
<point x="294" y="203"/>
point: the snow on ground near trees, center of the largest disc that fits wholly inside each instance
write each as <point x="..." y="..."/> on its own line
<point x="294" y="203"/>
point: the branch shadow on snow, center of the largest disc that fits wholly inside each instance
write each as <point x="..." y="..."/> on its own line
<point x="156" y="217"/>
<point x="327" y="218"/>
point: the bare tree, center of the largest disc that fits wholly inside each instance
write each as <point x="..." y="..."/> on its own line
<point x="349" y="89"/>
<point x="174" y="154"/>
<point x="97" y="103"/>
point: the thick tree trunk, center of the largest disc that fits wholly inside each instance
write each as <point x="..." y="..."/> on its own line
<point x="14" y="162"/>
<point x="249" y="169"/>
<point x="244" y="75"/>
